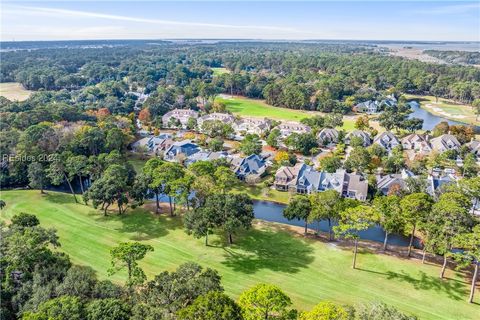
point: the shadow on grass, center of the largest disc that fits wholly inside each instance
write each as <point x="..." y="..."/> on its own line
<point x="271" y="249"/>
<point x="143" y="225"/>
<point x="62" y="198"/>
<point x="455" y="289"/>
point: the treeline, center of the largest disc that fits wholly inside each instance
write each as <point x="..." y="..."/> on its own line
<point x="46" y="285"/>
<point x="456" y="57"/>
<point x="298" y="75"/>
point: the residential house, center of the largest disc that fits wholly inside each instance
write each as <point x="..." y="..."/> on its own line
<point x="205" y="156"/>
<point x="387" y="140"/>
<point x="327" y="136"/>
<point x="286" y="177"/>
<point x="365" y="136"/>
<point x="309" y="180"/>
<point x="436" y="180"/>
<point x="355" y="187"/>
<point x="251" y="126"/>
<point x="389" y="182"/>
<point x="445" y="142"/>
<point x="180" y="151"/>
<point x="223" y="117"/>
<point x="474" y="147"/>
<point x="251" y="168"/>
<point x="389" y="101"/>
<point x="182" y="115"/>
<point x="417" y="142"/>
<point x="368" y="107"/>
<point x="288" y="127"/>
<point x="154" y="143"/>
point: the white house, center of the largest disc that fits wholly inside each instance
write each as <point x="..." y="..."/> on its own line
<point x="387" y="140"/>
<point x="181" y="115"/>
<point x="223" y="117"/>
<point x="251" y="126"/>
<point x="365" y="136"/>
<point x="445" y="142"/>
<point x="288" y="127"/>
<point x="327" y="136"/>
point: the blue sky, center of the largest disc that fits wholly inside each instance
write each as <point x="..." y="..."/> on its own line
<point x="358" y="20"/>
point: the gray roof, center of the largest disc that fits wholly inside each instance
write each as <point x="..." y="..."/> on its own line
<point x="328" y="135"/>
<point x="445" y="142"/>
<point x="387" y="140"/>
<point x="252" y="164"/>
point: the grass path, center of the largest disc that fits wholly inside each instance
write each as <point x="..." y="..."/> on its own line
<point x="307" y="270"/>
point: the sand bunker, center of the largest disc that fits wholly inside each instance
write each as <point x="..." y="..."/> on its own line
<point x="444" y="113"/>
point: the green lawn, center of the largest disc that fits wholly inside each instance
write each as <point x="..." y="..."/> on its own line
<point x="307" y="270"/>
<point x="258" y="108"/>
<point x="220" y="71"/>
<point x="14" y="91"/>
<point x="446" y="108"/>
<point x="258" y="192"/>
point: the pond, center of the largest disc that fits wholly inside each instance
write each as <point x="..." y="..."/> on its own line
<point x="429" y="119"/>
<point x="271" y="211"/>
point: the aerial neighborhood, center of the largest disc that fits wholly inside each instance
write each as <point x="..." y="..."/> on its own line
<point x="185" y="136"/>
<point x="209" y="179"/>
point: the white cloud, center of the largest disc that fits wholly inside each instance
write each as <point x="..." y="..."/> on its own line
<point x="42" y="11"/>
<point x="452" y="9"/>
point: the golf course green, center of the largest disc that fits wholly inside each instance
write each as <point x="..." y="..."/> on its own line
<point x="307" y="270"/>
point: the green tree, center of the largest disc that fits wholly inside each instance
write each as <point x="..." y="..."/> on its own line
<point x="225" y="179"/>
<point x="381" y="311"/>
<point x="352" y="221"/>
<point x="79" y="282"/>
<point x="155" y="186"/>
<point x="264" y="301"/>
<point x="57" y="173"/>
<point x="470" y="167"/>
<point x="469" y="242"/>
<point x="126" y="255"/>
<point x="61" y="308"/>
<point x="216" y="144"/>
<point x="390" y="215"/>
<point x="108" y="309"/>
<point x="415" y="208"/>
<point x="36" y="176"/>
<point x="330" y="164"/>
<point x="237" y="214"/>
<point x="273" y="137"/>
<point x="325" y="310"/>
<point x="359" y="160"/>
<point x="303" y="143"/>
<point x="211" y="306"/>
<point x="191" y="123"/>
<point x="450" y="215"/>
<point x="77" y="166"/>
<point x="201" y="221"/>
<point x="325" y="205"/>
<point x="251" y="144"/>
<point x="165" y="177"/>
<point x="298" y="208"/>
<point x="471" y="188"/>
<point x="112" y="187"/>
<point x="172" y="291"/>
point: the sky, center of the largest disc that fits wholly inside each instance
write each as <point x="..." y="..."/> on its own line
<point x="354" y="20"/>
